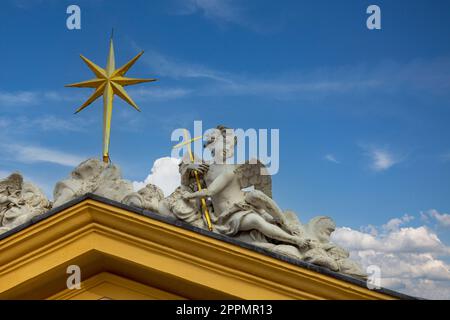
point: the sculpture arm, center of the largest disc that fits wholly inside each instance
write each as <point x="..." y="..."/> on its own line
<point x="215" y="187"/>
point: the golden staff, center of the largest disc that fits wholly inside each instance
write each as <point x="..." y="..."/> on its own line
<point x="188" y="142"/>
<point x="107" y="83"/>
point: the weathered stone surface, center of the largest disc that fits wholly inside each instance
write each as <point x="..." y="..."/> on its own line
<point x="93" y="176"/>
<point x="19" y="202"/>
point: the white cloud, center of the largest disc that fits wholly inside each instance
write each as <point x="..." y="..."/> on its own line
<point x="381" y="159"/>
<point x="35" y="97"/>
<point x="226" y="83"/>
<point x="405" y="239"/>
<point x="312" y="85"/>
<point x="52" y="123"/>
<point x="224" y="12"/>
<point x="442" y="218"/>
<point x="410" y="259"/>
<point x="370" y="229"/>
<point x="306" y="85"/>
<point x="221" y="10"/>
<point x="43" y="123"/>
<point x="331" y="158"/>
<point x="395" y="223"/>
<point x="142" y="94"/>
<point x="33" y="154"/>
<point x="424" y="217"/>
<point x="290" y="87"/>
<point x="302" y="84"/>
<point x="18" y="98"/>
<point x="169" y="67"/>
<point x="164" y="174"/>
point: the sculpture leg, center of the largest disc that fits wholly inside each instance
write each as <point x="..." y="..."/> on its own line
<point x="261" y="200"/>
<point x="255" y="221"/>
<point x="319" y="257"/>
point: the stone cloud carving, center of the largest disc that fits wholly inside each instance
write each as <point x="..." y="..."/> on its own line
<point x="92" y="176"/>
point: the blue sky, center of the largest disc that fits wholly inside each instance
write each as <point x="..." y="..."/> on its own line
<point x="363" y="115"/>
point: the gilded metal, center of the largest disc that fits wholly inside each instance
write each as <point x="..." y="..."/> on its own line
<point x="188" y="142"/>
<point x="107" y="83"/>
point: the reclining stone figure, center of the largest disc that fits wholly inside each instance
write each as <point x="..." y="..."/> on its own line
<point x="238" y="210"/>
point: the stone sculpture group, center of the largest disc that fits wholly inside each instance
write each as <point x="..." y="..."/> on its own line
<point x="238" y="197"/>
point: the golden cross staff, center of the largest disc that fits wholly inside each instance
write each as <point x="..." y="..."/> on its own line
<point x="188" y="142"/>
<point x="107" y="83"/>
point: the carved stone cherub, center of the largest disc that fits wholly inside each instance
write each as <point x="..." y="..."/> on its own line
<point x="19" y="202"/>
<point x="237" y="210"/>
<point x="253" y="217"/>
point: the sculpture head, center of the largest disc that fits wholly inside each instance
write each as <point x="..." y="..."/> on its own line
<point x="322" y="227"/>
<point x="221" y="142"/>
<point x="186" y="210"/>
<point x="148" y="197"/>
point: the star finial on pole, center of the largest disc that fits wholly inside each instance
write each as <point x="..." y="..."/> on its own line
<point x="109" y="82"/>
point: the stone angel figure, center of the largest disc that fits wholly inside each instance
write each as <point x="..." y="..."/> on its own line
<point x="237" y="210"/>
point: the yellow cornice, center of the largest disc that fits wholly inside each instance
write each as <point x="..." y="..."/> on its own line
<point x="101" y="236"/>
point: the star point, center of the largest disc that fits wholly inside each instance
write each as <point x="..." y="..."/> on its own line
<point x="108" y="83"/>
